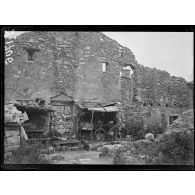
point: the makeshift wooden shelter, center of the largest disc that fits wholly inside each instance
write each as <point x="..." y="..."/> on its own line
<point x="25" y="120"/>
<point x="40" y="119"/>
<point x="64" y="106"/>
<point x="90" y="113"/>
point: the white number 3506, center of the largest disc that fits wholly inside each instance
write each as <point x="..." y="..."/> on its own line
<point x="8" y="52"/>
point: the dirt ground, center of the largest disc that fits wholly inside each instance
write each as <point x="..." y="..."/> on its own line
<point x="79" y="157"/>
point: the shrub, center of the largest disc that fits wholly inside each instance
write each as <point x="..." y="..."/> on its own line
<point x="26" y="154"/>
<point x="138" y="130"/>
<point x="154" y="128"/>
<point x="135" y="128"/>
<point x="177" y="148"/>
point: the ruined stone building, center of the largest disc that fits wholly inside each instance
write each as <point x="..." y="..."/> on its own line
<point x="91" y="67"/>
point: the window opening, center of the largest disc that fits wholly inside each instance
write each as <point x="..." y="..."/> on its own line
<point x="31" y="52"/>
<point x="104" y="66"/>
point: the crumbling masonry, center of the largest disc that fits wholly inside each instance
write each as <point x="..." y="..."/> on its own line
<point x="47" y="63"/>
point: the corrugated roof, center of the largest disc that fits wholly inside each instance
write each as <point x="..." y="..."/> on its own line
<point x="105" y="109"/>
<point x="94" y="104"/>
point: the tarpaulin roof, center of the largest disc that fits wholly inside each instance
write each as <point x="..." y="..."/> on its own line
<point x="98" y="107"/>
<point x="93" y="104"/>
<point x="105" y="109"/>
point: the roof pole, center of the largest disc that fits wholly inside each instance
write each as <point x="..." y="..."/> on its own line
<point x="92" y="124"/>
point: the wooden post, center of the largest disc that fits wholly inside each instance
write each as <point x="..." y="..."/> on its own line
<point x="20" y="132"/>
<point x="50" y="123"/>
<point x="92" y="124"/>
<point x="71" y="112"/>
<point x="75" y="121"/>
<point x="117" y="117"/>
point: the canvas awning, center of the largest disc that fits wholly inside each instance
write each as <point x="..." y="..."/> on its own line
<point x="99" y="107"/>
<point x="105" y="109"/>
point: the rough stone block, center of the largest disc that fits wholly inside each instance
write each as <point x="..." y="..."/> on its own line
<point x="14" y="140"/>
<point x="149" y="136"/>
<point x="11" y="148"/>
<point x="12" y="133"/>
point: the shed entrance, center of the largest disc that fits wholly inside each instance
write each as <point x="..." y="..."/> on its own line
<point x="92" y="115"/>
<point x="63" y="106"/>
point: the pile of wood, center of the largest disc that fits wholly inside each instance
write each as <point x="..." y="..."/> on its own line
<point x="64" y="123"/>
<point x="12" y="114"/>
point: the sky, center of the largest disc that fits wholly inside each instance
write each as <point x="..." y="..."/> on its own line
<point x="169" y="51"/>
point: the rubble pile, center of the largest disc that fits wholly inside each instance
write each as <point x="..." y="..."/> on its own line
<point x="109" y="150"/>
<point x="27" y="103"/>
<point x="63" y="123"/>
<point x="174" y="147"/>
<point x="13" y="118"/>
<point x="38" y="103"/>
<point x="13" y="115"/>
<point x="137" y="152"/>
<point x="139" y="146"/>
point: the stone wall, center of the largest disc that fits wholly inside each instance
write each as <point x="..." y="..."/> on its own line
<point x="25" y="78"/>
<point x="191" y="94"/>
<point x="12" y="138"/>
<point x="176" y="145"/>
<point x="158" y="87"/>
<point x="71" y="62"/>
<point x="149" y="119"/>
<point x="92" y="84"/>
<point x="66" y="61"/>
<point x="154" y="96"/>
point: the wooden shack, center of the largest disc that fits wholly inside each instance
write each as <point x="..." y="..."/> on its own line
<point x="90" y="113"/>
<point x="40" y="120"/>
<point x="63" y="106"/>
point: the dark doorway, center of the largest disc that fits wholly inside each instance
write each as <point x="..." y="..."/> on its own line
<point x="172" y="118"/>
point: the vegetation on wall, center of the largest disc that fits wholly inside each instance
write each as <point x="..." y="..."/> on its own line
<point x="135" y="127"/>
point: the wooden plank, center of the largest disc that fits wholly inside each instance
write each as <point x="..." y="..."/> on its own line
<point x="12" y="125"/>
<point x="61" y="103"/>
<point x="12" y="133"/>
<point x="12" y="128"/>
<point x="34" y="131"/>
<point x="40" y="139"/>
<point x="11" y="148"/>
<point x="12" y="140"/>
<point x="8" y="145"/>
<point x="67" y="142"/>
